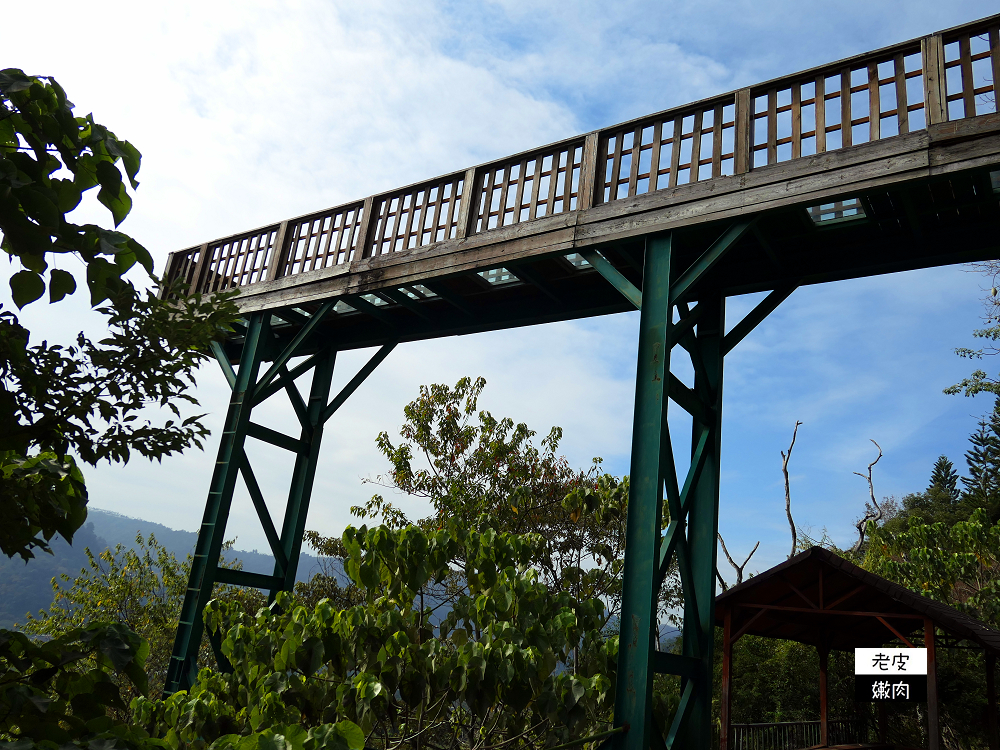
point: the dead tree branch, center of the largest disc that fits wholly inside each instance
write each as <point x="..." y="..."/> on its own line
<point x="788" y="488"/>
<point x="737" y="568"/>
<point x="873" y="511"/>
<point x="722" y="581"/>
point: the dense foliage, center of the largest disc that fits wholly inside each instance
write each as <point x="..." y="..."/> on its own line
<point x="59" y="403"/>
<point x="466" y="463"/>
<point x="63" y="692"/>
<point x="486" y="673"/>
<point x="141" y="587"/>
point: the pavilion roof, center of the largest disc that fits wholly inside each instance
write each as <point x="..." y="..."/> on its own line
<point x="819" y="598"/>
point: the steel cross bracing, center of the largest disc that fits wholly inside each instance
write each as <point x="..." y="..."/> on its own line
<point x="249" y="390"/>
<point x="676" y="309"/>
<point x="666" y="321"/>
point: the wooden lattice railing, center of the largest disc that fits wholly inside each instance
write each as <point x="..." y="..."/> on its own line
<point x="893" y="91"/>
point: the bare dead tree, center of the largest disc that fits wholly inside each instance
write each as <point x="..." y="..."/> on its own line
<point x="788" y="488"/>
<point x="738" y="568"/>
<point x="873" y="511"/>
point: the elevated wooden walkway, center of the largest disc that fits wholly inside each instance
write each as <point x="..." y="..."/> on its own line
<point x="897" y="145"/>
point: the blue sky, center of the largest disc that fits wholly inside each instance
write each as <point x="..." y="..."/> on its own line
<point x="250" y="112"/>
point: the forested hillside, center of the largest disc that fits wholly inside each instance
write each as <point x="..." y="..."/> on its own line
<point x="26" y="587"/>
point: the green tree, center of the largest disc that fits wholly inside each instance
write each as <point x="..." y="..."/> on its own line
<point x="58" y="693"/>
<point x="467" y="464"/>
<point x="141" y="588"/>
<point x="939" y="502"/>
<point x="979" y="381"/>
<point x="982" y="486"/>
<point x="958" y="564"/>
<point x="944" y="479"/>
<point x="485" y="675"/>
<point x="59" y="403"/>
<point x="331" y="582"/>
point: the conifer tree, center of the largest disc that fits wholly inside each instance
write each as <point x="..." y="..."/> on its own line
<point x="944" y="479"/>
<point x="982" y="486"/>
<point x="940" y="502"/>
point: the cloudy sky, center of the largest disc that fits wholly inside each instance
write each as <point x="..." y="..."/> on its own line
<point x="247" y="113"/>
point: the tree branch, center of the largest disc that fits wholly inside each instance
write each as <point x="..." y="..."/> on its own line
<point x="873" y="511"/>
<point x="737" y="568"/>
<point x="788" y="489"/>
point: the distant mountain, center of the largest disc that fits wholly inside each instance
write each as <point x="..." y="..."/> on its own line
<point x="115" y="529"/>
<point x="27" y="587"/>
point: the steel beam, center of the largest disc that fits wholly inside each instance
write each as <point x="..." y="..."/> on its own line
<point x="633" y="699"/>
<point x="690" y="539"/>
<point x="613" y="276"/>
<point x="303" y="474"/>
<point x="282" y="359"/>
<point x="703" y="526"/>
<point x="357" y="380"/>
<point x="753" y="318"/>
<point x="184" y="662"/>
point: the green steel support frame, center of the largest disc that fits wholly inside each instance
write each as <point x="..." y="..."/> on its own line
<point x="666" y="321"/>
<point x="248" y="392"/>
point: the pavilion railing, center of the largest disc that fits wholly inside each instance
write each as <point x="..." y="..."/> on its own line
<point x="900" y="89"/>
<point x="795" y="735"/>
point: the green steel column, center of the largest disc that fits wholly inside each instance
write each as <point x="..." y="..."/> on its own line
<point x="642" y="534"/>
<point x="183" y="666"/>
<point x="703" y="525"/>
<point x="294" y="524"/>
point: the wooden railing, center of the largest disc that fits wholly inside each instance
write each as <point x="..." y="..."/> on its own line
<point x="893" y="91"/>
<point x="795" y="735"/>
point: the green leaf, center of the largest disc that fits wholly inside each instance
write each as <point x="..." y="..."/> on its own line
<point x="26" y="287"/>
<point x="61" y="283"/>
<point x="113" y="194"/>
<point x="13" y="80"/>
<point x="352" y="734"/>
<point x="131" y="158"/>
<point x="141" y="254"/>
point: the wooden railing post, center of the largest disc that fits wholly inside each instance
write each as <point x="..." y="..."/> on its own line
<point x="824" y="718"/>
<point x="199" y="269"/>
<point x="171" y="260"/>
<point x="276" y="267"/>
<point x="935" y="93"/>
<point x="367" y="228"/>
<point x="470" y="191"/>
<point x="991" y="701"/>
<point x="995" y="64"/>
<point x="743" y="146"/>
<point x="588" y="173"/>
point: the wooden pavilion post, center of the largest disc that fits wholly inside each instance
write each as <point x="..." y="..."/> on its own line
<point x="933" y="718"/>
<point x="824" y="659"/>
<point x="991" y="701"/>
<point x="726" y="709"/>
